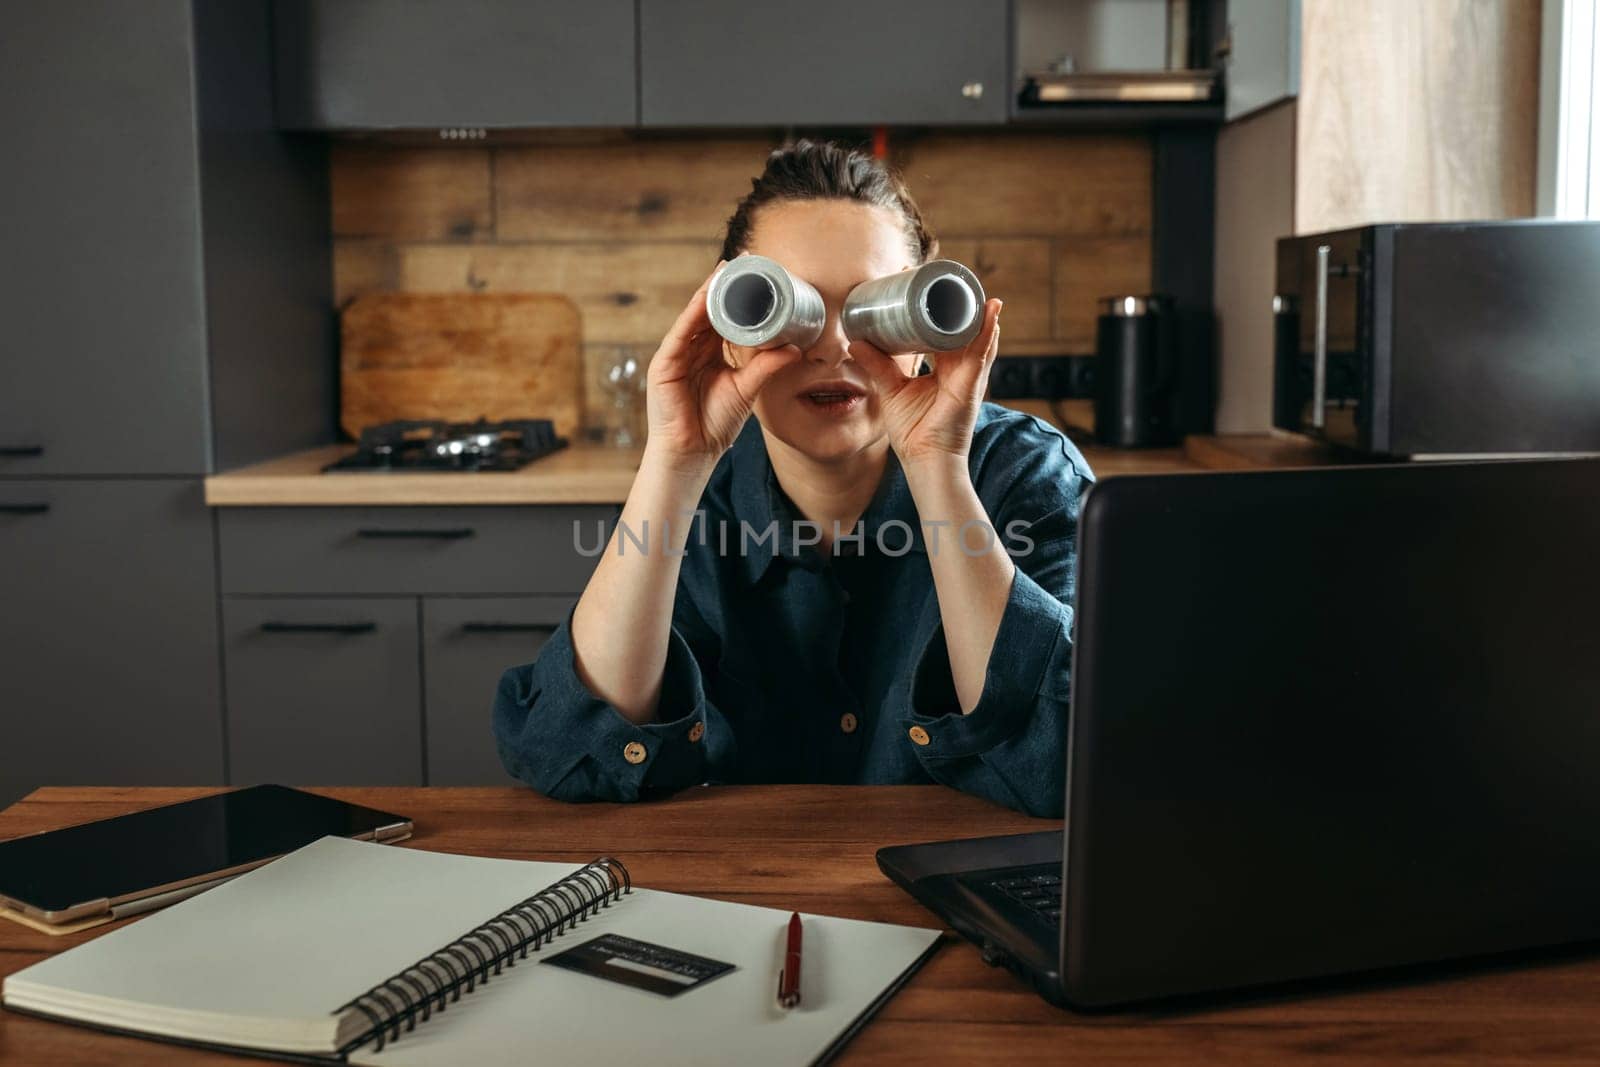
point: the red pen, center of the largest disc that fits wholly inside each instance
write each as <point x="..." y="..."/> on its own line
<point x="789" y="977"/>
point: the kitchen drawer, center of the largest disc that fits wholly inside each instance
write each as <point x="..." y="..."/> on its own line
<point x="337" y="551"/>
<point x="467" y="643"/>
<point x="323" y="692"/>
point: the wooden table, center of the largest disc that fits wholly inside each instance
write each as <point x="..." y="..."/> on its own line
<point x="811" y="848"/>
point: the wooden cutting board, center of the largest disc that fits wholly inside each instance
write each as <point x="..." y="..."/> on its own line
<point x="460" y="356"/>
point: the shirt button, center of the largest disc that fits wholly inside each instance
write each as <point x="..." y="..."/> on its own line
<point x="919" y="736"/>
<point x="634" y="752"/>
<point x="697" y="731"/>
<point x="847" y="723"/>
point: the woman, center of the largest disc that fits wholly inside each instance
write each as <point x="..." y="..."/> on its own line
<point x="871" y="581"/>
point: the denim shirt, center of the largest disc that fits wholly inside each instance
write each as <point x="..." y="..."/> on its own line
<point x="788" y="664"/>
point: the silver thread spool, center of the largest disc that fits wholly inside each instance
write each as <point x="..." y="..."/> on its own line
<point x="754" y="302"/>
<point x="938" y="307"/>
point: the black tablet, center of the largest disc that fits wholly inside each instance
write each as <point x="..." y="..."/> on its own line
<point x="132" y="862"/>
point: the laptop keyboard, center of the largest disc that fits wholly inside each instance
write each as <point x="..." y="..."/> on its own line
<point x="1039" y="892"/>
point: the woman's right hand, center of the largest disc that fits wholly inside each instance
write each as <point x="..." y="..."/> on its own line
<point x="696" y="402"/>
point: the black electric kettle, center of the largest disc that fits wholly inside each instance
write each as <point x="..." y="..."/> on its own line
<point x="1136" y="373"/>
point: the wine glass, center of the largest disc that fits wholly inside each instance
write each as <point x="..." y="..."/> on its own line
<point x="623" y="378"/>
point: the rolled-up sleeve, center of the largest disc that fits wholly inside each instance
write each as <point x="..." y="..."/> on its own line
<point x="1011" y="748"/>
<point x="556" y="735"/>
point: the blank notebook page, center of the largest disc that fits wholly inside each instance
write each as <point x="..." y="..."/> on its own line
<point x="265" y="961"/>
<point x="292" y="941"/>
<point x="540" y="1013"/>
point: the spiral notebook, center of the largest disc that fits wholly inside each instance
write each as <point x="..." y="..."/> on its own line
<point x="374" y="954"/>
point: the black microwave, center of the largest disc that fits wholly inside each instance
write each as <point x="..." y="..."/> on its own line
<point x="1432" y="339"/>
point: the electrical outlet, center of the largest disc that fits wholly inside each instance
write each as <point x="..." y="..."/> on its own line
<point x="1050" y="377"/>
<point x="1010" y="378"/>
<point x="1080" y="377"/>
<point x="1042" y="377"/>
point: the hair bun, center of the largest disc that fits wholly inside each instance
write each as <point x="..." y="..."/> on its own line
<point x="804" y="169"/>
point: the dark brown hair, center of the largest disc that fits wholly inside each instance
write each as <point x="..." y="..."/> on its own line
<point x="823" y="170"/>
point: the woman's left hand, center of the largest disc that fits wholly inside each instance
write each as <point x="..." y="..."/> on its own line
<point x="931" y="416"/>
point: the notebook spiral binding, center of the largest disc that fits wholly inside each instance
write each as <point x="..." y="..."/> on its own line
<point x="440" y="977"/>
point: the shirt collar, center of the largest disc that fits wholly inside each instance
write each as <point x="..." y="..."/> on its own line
<point x="759" y="501"/>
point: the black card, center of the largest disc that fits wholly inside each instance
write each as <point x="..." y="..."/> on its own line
<point x="640" y="964"/>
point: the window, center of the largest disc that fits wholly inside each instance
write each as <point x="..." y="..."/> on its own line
<point x="1569" y="111"/>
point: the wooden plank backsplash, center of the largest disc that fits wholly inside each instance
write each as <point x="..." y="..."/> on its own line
<point x="628" y="227"/>
<point x="632" y="191"/>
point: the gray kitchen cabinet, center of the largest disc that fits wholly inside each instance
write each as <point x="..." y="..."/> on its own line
<point x="467" y="643"/>
<point x="166" y="263"/>
<point x="376" y="64"/>
<point x="328" y="676"/>
<point x="108" y="639"/>
<point x="323" y="691"/>
<point x="393" y="550"/>
<point x="99" y="283"/>
<point x="1263" y="54"/>
<point x="736" y="63"/>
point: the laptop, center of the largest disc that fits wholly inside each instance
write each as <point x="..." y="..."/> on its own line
<point x="1322" y="722"/>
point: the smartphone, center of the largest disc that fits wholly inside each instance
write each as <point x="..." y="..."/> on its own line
<point x="128" y="863"/>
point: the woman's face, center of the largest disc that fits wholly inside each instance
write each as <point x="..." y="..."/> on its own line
<point x="822" y="404"/>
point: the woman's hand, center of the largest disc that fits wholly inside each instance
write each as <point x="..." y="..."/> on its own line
<point x="931" y="416"/>
<point x="695" y="401"/>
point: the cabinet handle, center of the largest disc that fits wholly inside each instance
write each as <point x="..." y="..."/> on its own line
<point x="38" y="508"/>
<point x="318" y="627"/>
<point x="972" y="90"/>
<point x="450" y="534"/>
<point x="21" y="451"/>
<point x="507" y="627"/>
<point x="1319" y="343"/>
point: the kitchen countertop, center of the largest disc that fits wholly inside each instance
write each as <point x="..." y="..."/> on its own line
<point x="578" y="474"/>
<point x="592" y="474"/>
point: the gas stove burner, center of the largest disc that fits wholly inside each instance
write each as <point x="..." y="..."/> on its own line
<point x="435" y="445"/>
<point x="473" y="444"/>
